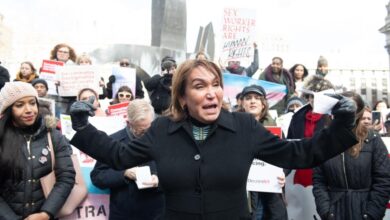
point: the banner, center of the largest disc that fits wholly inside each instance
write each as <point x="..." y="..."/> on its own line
<point x="233" y="84"/>
<point x="47" y="72"/>
<point x="73" y="78"/>
<point x="263" y="177"/>
<point x="124" y="76"/>
<point x="238" y="35"/>
<point x="96" y="205"/>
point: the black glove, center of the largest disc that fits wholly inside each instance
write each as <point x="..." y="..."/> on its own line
<point x="79" y="113"/>
<point x="111" y="79"/>
<point x="344" y="111"/>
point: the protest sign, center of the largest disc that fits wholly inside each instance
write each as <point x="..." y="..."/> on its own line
<point x="119" y="109"/>
<point x="47" y="72"/>
<point x="263" y="177"/>
<point x="238" y="34"/>
<point x="74" y="78"/>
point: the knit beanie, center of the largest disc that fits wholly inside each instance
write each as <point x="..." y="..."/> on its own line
<point x="42" y="81"/>
<point x="12" y="91"/>
<point x="295" y="100"/>
<point x="322" y="61"/>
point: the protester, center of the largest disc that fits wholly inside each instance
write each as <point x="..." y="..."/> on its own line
<point x="126" y="200"/>
<point x="27" y="72"/>
<point x="41" y="86"/>
<point x="25" y="157"/>
<point x="380" y="105"/>
<point x="299" y="73"/>
<point x="124" y="62"/>
<point x="85" y="94"/>
<point x="356" y="183"/>
<point x="124" y="94"/>
<point x="277" y="74"/>
<point x="4" y="76"/>
<point x="202" y="152"/>
<point x="304" y="124"/>
<point x="237" y="106"/>
<point x="63" y="53"/>
<point x="264" y="205"/>
<point x="293" y="104"/>
<point x="234" y="66"/>
<point x="160" y="85"/>
<point x="322" y="67"/>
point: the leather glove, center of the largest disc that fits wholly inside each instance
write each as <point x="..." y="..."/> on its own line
<point x="79" y="113"/>
<point x="344" y="111"/>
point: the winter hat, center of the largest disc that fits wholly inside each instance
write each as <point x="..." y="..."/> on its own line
<point x="322" y="61"/>
<point x="295" y="100"/>
<point x="42" y="81"/>
<point x="253" y="89"/>
<point x="12" y="91"/>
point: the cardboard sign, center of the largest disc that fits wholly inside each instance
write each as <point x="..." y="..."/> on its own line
<point x="74" y="78"/>
<point x="263" y="177"/>
<point x="238" y="34"/>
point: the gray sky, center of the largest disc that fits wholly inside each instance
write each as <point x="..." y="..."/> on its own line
<point x="346" y="32"/>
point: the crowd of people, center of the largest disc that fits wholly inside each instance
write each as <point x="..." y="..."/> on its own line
<point x="198" y="147"/>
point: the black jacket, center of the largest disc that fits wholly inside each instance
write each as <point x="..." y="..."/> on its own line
<point x="18" y="200"/>
<point x="208" y="180"/>
<point x="160" y="89"/>
<point x="4" y="76"/>
<point x="126" y="200"/>
<point x="347" y="188"/>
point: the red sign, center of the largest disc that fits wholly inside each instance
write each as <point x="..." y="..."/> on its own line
<point x="49" y="66"/>
<point x="275" y="130"/>
<point x="118" y="109"/>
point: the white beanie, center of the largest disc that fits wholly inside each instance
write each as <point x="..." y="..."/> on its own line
<point x="12" y="91"/>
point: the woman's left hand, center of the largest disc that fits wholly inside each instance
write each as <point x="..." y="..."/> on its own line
<point x="282" y="180"/>
<point x="38" y="216"/>
<point x="153" y="182"/>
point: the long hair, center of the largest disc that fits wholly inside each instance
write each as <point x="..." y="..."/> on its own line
<point x="11" y="166"/>
<point x="292" y="71"/>
<point x="179" y="83"/>
<point x="72" y="53"/>
<point x="360" y="131"/>
<point x="33" y="75"/>
<point x="122" y="89"/>
<point x="11" y="143"/>
<point x="264" y="112"/>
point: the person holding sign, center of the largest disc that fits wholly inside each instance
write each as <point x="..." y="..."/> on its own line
<point x="203" y="152"/>
<point x="264" y="205"/>
<point x="126" y="200"/>
<point x="356" y="183"/>
<point x="234" y="66"/>
<point x="25" y="157"/>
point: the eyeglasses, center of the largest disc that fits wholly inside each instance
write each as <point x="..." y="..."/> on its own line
<point x="124" y="64"/>
<point x="122" y="95"/>
<point x="62" y="51"/>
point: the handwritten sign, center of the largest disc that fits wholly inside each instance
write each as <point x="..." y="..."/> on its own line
<point x="238" y="34"/>
<point x="74" y="78"/>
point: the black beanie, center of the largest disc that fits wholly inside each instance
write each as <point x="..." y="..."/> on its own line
<point x="42" y="81"/>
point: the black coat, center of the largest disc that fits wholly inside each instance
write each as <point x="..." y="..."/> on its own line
<point x="126" y="200"/>
<point x="208" y="180"/>
<point x="18" y="200"/>
<point x="4" y="76"/>
<point x="160" y="89"/>
<point x="347" y="188"/>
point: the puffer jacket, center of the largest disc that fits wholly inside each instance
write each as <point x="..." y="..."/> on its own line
<point x="21" y="199"/>
<point x="353" y="188"/>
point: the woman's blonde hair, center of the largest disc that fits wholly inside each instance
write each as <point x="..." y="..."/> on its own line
<point x="176" y="111"/>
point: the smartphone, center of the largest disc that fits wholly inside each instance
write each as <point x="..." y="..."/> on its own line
<point x="376" y="116"/>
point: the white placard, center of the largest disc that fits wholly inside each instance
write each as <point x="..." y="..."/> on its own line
<point x="322" y="104"/>
<point x="124" y="77"/>
<point x="143" y="175"/>
<point x="263" y="177"/>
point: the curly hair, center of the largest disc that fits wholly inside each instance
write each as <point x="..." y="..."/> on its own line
<point x="72" y="53"/>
